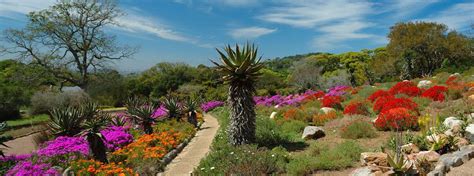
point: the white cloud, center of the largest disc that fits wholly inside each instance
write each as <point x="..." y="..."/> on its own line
<point x="250" y="32"/>
<point x="459" y="16"/>
<point x="405" y="8"/>
<point x="13" y="8"/>
<point x="238" y="3"/>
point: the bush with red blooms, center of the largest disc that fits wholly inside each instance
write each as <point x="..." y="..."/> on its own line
<point x="396" y="118"/>
<point x="380" y="102"/>
<point x="314" y="96"/>
<point x="452" y="80"/>
<point x="356" y="107"/>
<point x="332" y="102"/>
<point x="405" y="87"/>
<point x="435" y="93"/>
<point x="377" y="94"/>
<point x="391" y="102"/>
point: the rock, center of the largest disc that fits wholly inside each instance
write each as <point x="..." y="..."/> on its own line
<point x="327" y="110"/>
<point x="457" y="161"/>
<point x="470" y="117"/>
<point x="469" y="133"/>
<point x="436" y="137"/>
<point x="313" y="132"/>
<point x="273" y="115"/>
<point x="453" y="123"/>
<point x="424" y="84"/>
<point x="410" y="148"/>
<point x="455" y="74"/>
<point x="374" y="158"/>
<point x="471" y="98"/>
<point x="430" y="156"/>
<point x="460" y="142"/>
<point x="363" y="171"/>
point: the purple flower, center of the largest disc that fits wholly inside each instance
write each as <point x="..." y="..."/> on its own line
<point x="160" y="112"/>
<point x="116" y="137"/>
<point x="337" y="91"/>
<point x="208" y="106"/>
<point x="65" y="145"/>
<point x="15" y="158"/>
<point x="27" y="168"/>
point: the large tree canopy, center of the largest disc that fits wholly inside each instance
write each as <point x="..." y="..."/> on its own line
<point x="68" y="39"/>
<point x="424" y="47"/>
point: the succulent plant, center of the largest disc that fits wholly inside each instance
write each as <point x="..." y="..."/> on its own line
<point x="190" y="107"/>
<point x="93" y="123"/>
<point x="173" y="107"/>
<point x="66" y="121"/>
<point x="141" y="111"/>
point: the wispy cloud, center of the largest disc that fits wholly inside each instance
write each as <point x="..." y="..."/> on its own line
<point x="401" y="9"/>
<point x="336" y="21"/>
<point x="250" y="32"/>
<point x="15" y="9"/>
<point x="459" y="16"/>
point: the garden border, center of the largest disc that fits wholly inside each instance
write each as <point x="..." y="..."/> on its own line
<point x="454" y="159"/>
<point x="173" y="153"/>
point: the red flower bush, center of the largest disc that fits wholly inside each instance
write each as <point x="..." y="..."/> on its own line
<point x="399" y="103"/>
<point x="380" y="102"/>
<point x="314" y="96"/>
<point x="452" y="80"/>
<point x="377" y="94"/>
<point x="356" y="108"/>
<point x="436" y="93"/>
<point x="405" y="87"/>
<point x="396" y="118"/>
<point x="332" y="101"/>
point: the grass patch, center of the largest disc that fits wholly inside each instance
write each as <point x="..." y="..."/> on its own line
<point x="32" y="120"/>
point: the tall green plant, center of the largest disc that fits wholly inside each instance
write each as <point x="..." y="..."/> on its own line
<point x="173" y="107"/>
<point x="66" y="121"/>
<point x="190" y="107"/>
<point x="240" y="67"/>
<point x="141" y="110"/>
<point x="95" y="120"/>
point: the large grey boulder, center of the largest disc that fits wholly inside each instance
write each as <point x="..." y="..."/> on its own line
<point x="469" y="133"/>
<point x="313" y="132"/>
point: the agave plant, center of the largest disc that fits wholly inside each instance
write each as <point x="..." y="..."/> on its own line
<point x="3" y="139"/>
<point x="240" y="68"/>
<point x="118" y="120"/>
<point x="66" y="121"/>
<point x="141" y="110"/>
<point x="93" y="123"/>
<point x="190" y="107"/>
<point x="173" y="107"/>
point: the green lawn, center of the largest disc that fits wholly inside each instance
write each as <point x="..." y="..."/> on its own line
<point x="32" y="120"/>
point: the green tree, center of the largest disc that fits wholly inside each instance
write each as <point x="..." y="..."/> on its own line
<point x="305" y="74"/>
<point x="356" y="65"/>
<point x="424" y="47"/>
<point x="240" y="68"/>
<point x="68" y="39"/>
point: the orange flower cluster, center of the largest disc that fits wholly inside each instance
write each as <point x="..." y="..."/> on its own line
<point x="321" y="118"/>
<point x="96" y="168"/>
<point x="151" y="146"/>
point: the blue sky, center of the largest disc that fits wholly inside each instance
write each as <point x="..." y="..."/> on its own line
<point x="189" y="30"/>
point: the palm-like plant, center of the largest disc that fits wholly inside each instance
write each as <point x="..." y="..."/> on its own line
<point x="142" y="111"/>
<point x="240" y="68"/>
<point x="66" y="121"/>
<point x="190" y="106"/>
<point x="173" y="107"/>
<point x="94" y="122"/>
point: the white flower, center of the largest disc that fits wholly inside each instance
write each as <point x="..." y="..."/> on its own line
<point x="231" y="153"/>
<point x="202" y="168"/>
<point x="273" y="155"/>
<point x="212" y="168"/>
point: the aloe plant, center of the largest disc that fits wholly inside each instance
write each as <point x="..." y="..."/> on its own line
<point x="118" y="121"/>
<point x="66" y="121"/>
<point x="94" y="122"/>
<point x="190" y="107"/>
<point x="173" y="107"/>
<point x="141" y="110"/>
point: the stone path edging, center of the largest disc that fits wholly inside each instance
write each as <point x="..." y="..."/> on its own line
<point x="455" y="159"/>
<point x="191" y="154"/>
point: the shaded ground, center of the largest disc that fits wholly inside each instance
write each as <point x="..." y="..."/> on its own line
<point x="197" y="149"/>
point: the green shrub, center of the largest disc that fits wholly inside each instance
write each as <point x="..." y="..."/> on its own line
<point x="11" y="98"/>
<point x="358" y="129"/>
<point x="422" y="102"/>
<point x="321" y="157"/>
<point x="44" y="102"/>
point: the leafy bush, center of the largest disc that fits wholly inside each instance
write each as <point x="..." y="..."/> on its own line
<point x="12" y="97"/>
<point x="436" y="93"/>
<point x="358" y="129"/>
<point x="320" y="157"/>
<point x="332" y="102"/>
<point x="405" y="87"/>
<point x="319" y="119"/>
<point x="356" y="107"/>
<point x="44" y="102"/>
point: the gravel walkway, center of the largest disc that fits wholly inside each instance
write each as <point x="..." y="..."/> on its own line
<point x="22" y="145"/>
<point x="466" y="169"/>
<point x="197" y="149"/>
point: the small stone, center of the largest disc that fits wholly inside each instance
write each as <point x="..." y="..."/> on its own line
<point x="430" y="156"/>
<point x="327" y="110"/>
<point x="456" y="161"/>
<point x="313" y="132"/>
<point x="410" y="148"/>
<point x="273" y="115"/>
<point x="424" y="84"/>
<point x="363" y="171"/>
<point x="460" y="142"/>
<point x="374" y="158"/>
<point x="452" y="122"/>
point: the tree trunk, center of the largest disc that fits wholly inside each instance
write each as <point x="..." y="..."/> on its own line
<point x="192" y="118"/>
<point x="147" y="127"/>
<point x="242" y="117"/>
<point x="97" y="147"/>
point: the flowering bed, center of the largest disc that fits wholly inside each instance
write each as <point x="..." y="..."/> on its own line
<point x="208" y="106"/>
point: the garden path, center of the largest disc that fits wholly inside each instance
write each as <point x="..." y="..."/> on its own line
<point x="197" y="149"/>
<point x="465" y="169"/>
<point x="22" y="145"/>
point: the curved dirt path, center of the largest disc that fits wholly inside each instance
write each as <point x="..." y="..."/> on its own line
<point x="197" y="149"/>
<point x="465" y="169"/>
<point x="22" y="145"/>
